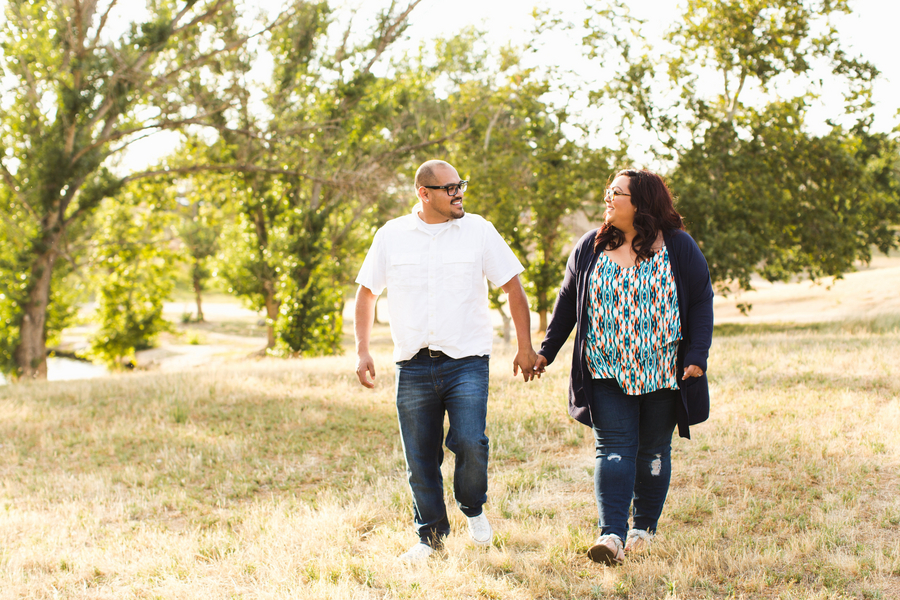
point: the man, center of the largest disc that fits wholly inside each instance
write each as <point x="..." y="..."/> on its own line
<point x="434" y="262"/>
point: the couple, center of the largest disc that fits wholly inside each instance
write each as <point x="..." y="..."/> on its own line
<point x="636" y="291"/>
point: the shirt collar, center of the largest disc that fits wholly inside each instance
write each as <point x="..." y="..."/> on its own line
<point x="413" y="222"/>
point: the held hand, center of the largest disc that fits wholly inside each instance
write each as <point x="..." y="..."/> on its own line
<point x="692" y="371"/>
<point x="540" y="365"/>
<point x="365" y="366"/>
<point x="524" y="360"/>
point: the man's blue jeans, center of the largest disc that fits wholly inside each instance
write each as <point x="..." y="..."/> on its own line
<point x="633" y="436"/>
<point x="426" y="389"/>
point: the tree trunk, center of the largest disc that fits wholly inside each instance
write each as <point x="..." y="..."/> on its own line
<point x="198" y="289"/>
<point x="31" y="353"/>
<point x="542" y="321"/>
<point x="336" y="346"/>
<point x="377" y="320"/>
<point x="506" y="334"/>
<point x="272" y="306"/>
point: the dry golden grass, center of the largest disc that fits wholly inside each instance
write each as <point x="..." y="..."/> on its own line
<point x="284" y="479"/>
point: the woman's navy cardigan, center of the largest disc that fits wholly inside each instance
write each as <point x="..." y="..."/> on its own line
<point x="695" y="307"/>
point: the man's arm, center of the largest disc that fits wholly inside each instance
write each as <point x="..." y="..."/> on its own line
<point x="362" y="325"/>
<point x="521" y="316"/>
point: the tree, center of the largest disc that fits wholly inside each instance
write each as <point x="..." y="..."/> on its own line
<point x="308" y="171"/>
<point x="199" y="230"/>
<point x="781" y="201"/>
<point x="529" y="178"/>
<point x="132" y="267"/>
<point x="80" y="94"/>
<point x="759" y="190"/>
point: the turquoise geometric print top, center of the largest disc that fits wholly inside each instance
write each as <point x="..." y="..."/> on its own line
<point x="634" y="324"/>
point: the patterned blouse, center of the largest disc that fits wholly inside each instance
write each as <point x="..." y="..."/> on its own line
<point x="634" y="324"/>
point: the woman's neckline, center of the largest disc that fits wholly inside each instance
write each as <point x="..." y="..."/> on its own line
<point x="635" y="265"/>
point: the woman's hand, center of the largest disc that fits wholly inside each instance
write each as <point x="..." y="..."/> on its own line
<point x="539" y="365"/>
<point x="692" y="371"/>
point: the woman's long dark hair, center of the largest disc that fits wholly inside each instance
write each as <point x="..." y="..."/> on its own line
<point x="654" y="212"/>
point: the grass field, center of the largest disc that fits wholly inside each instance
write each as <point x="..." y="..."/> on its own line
<point x="284" y="479"/>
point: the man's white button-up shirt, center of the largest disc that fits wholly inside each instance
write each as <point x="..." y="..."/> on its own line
<point x="437" y="293"/>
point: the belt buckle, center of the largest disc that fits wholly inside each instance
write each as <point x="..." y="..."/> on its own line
<point x="434" y="353"/>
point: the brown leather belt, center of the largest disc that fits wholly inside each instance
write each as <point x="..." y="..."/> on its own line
<point x="429" y="353"/>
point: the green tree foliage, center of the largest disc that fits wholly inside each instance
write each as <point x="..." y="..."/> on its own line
<point x="779" y="201"/>
<point x="309" y="170"/>
<point x="80" y="93"/>
<point x="198" y="229"/>
<point x="132" y="266"/>
<point x="528" y="176"/>
<point x="759" y="190"/>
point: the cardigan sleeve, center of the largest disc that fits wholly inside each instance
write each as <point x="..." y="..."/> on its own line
<point x="699" y="305"/>
<point x="565" y="313"/>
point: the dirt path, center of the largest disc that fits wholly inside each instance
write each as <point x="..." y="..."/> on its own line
<point x="233" y="333"/>
<point x="864" y="294"/>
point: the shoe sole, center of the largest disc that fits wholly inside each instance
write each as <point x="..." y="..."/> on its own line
<point x="602" y="554"/>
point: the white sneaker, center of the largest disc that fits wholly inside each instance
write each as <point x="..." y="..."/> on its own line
<point x="480" y="530"/>
<point x="417" y="554"/>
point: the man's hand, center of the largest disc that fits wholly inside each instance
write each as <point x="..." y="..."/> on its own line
<point x="364" y="367"/>
<point x="692" y="371"/>
<point x="365" y="315"/>
<point x="518" y="309"/>
<point x="525" y="360"/>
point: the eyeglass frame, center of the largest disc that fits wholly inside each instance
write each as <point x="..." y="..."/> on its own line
<point x="611" y="192"/>
<point x="462" y="185"/>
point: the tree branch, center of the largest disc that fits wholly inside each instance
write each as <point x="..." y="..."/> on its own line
<point x="101" y="25"/>
<point x="162" y="125"/>
<point x="490" y="127"/>
<point x="67" y="58"/>
<point x="142" y="59"/>
<point x="16" y="189"/>
<point x="734" y="101"/>
<point x="411" y="147"/>
<point x="65" y="203"/>
<point x="340" y="236"/>
<point x="239" y="168"/>
<point x="124" y="145"/>
<point x="389" y="35"/>
<point x="196" y="20"/>
<point x="200" y="60"/>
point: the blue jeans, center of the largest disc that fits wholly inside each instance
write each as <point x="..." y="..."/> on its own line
<point x="633" y="436"/>
<point x="426" y="389"/>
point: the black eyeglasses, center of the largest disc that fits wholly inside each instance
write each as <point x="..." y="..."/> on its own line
<point x="452" y="189"/>
<point x="611" y="193"/>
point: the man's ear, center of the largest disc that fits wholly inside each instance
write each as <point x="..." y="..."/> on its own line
<point x="423" y="196"/>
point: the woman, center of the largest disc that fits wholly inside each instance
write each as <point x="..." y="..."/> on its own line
<point x="638" y="293"/>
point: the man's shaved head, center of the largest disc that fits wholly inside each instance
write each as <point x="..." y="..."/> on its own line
<point x="425" y="173"/>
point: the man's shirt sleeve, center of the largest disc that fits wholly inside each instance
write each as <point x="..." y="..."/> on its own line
<point x="373" y="273"/>
<point x="499" y="262"/>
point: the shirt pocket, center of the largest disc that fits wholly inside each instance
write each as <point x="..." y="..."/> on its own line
<point x="459" y="270"/>
<point x="405" y="271"/>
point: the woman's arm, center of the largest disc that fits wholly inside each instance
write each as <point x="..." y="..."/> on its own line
<point x="700" y="305"/>
<point x="565" y="312"/>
